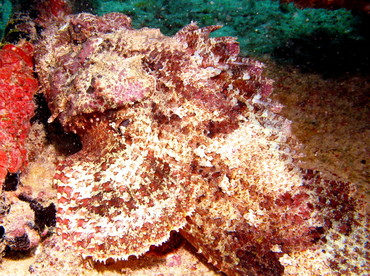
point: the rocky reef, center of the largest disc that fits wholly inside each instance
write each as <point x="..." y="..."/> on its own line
<point x="23" y="219"/>
<point x="185" y="159"/>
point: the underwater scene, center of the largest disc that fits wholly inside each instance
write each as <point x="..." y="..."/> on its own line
<point x="181" y="137"/>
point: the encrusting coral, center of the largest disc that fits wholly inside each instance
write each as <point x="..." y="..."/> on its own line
<point x="17" y="87"/>
<point x="178" y="134"/>
<point x="22" y="218"/>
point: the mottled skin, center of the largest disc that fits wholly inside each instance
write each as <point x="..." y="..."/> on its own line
<point x="178" y="134"/>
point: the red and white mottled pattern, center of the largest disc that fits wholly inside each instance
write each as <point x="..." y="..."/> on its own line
<point x="177" y="134"/>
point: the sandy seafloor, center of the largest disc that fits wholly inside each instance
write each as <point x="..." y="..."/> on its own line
<point x="331" y="119"/>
